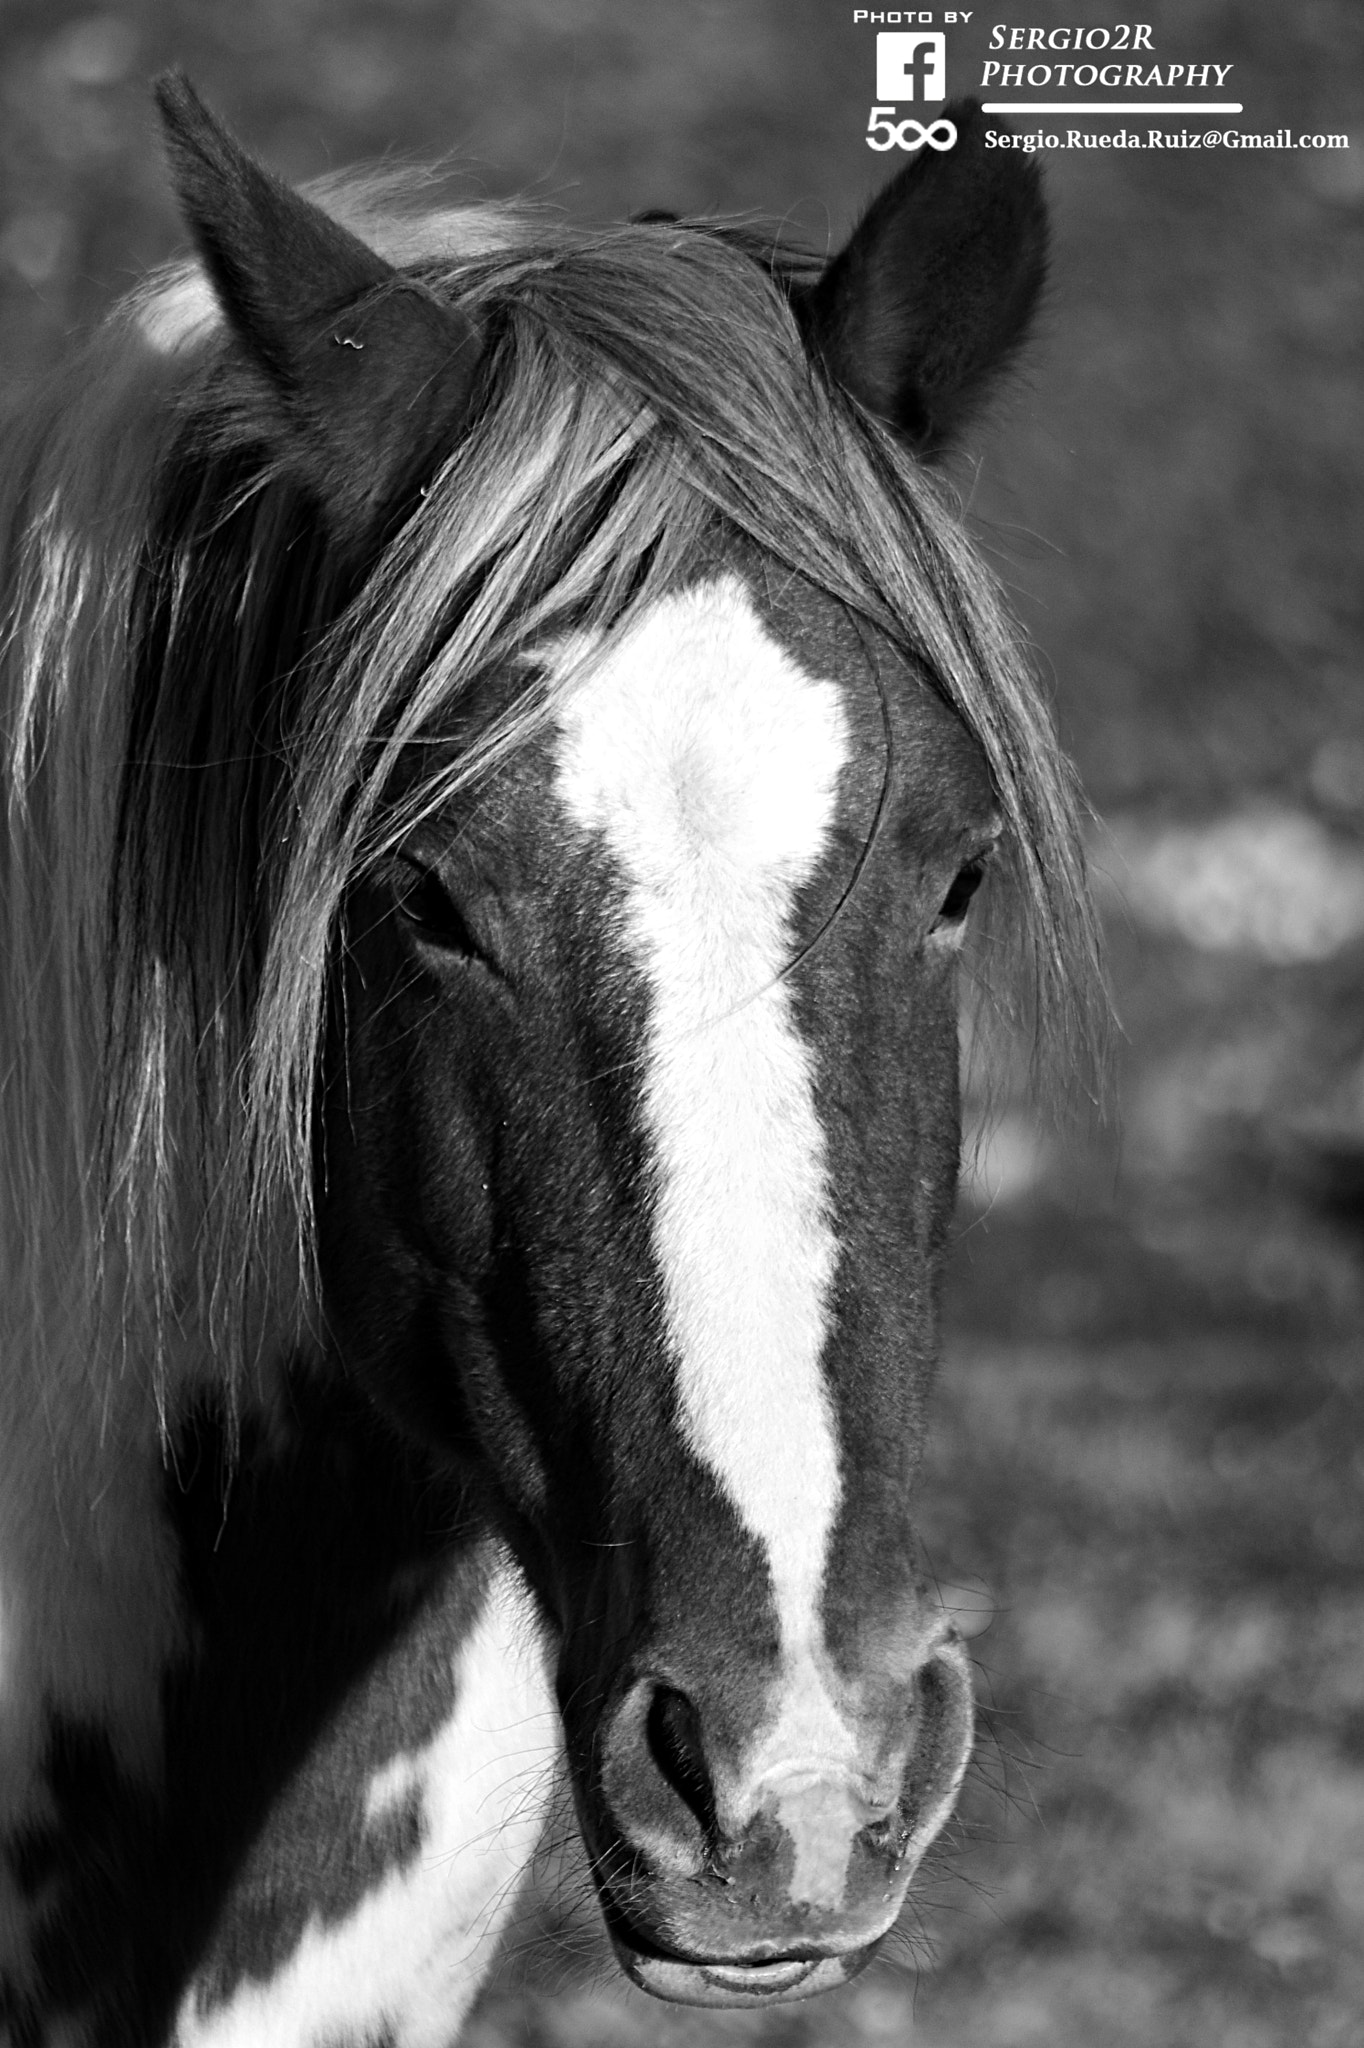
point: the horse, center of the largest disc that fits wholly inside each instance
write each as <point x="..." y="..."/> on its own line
<point x="503" y="728"/>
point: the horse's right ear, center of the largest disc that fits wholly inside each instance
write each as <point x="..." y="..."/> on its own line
<point x="370" y="374"/>
<point x="931" y="297"/>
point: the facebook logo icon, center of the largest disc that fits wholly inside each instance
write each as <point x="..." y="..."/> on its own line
<point x="904" y="61"/>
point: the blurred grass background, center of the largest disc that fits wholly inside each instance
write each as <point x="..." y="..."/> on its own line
<point x="1148" y="1452"/>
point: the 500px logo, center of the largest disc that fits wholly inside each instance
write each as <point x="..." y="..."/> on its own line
<point x="909" y="67"/>
<point x="885" y="132"/>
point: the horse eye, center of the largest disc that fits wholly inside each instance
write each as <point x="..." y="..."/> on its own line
<point x="432" y="912"/>
<point x="957" y="901"/>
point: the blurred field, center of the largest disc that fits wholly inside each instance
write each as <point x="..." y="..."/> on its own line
<point x="1150" y="1432"/>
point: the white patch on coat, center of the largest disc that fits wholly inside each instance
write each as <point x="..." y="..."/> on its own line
<point x="708" y="760"/>
<point x="392" y="1788"/>
<point x="412" y="1956"/>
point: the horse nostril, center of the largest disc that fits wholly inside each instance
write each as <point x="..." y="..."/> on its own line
<point x="673" y="1729"/>
<point x="887" y="1835"/>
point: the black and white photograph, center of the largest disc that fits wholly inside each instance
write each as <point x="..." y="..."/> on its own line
<point x="681" y="1024"/>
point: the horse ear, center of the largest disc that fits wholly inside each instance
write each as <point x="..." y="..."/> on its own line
<point x="933" y="293"/>
<point x="371" y="374"/>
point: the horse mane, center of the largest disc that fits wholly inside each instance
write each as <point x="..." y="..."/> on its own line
<point x="205" y="711"/>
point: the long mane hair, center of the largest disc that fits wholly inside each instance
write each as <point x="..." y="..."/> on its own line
<point x="204" y="706"/>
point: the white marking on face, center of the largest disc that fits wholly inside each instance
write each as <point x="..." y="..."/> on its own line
<point x="709" y="760"/>
<point x="411" y="1957"/>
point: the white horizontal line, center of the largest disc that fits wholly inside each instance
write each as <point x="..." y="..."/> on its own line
<point x="1106" y="107"/>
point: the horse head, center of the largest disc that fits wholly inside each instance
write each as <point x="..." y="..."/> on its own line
<point x="632" y="1127"/>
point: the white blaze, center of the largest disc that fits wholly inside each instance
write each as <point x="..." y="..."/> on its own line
<point x="709" y="761"/>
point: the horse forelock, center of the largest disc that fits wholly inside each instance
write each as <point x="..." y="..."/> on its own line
<point x="646" y="395"/>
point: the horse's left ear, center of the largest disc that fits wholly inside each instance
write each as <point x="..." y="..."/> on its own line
<point x="368" y="375"/>
<point x="930" y="298"/>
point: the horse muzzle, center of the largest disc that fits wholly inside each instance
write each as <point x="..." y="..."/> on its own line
<point x="727" y="1889"/>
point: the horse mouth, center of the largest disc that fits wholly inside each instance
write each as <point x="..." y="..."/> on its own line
<point x="727" y="1981"/>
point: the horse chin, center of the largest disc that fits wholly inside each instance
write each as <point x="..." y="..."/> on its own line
<point x="721" y="1981"/>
